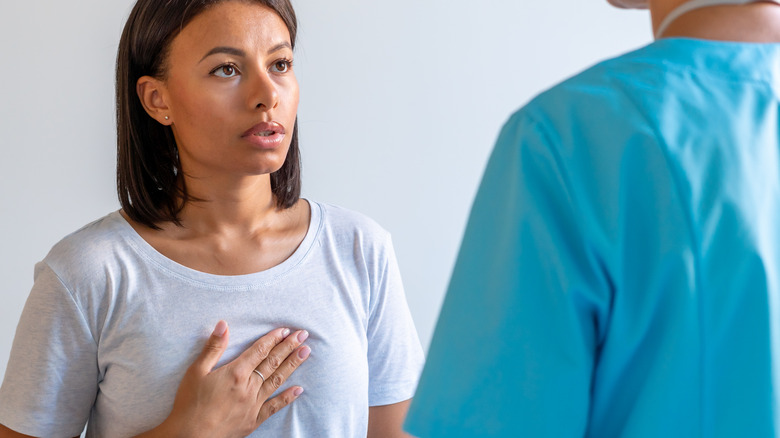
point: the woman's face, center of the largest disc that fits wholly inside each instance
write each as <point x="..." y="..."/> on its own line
<point x="230" y="91"/>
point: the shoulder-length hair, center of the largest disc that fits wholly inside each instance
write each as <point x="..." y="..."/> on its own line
<point x="148" y="167"/>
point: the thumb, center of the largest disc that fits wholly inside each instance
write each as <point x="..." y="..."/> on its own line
<point x="215" y="346"/>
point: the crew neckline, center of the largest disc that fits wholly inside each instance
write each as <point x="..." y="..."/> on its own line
<point x="243" y="281"/>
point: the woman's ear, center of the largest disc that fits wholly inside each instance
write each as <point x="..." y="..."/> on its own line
<point x="151" y="92"/>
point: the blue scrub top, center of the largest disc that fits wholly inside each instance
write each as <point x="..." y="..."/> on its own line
<point x="620" y="272"/>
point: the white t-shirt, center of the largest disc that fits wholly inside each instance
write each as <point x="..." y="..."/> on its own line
<point x="111" y="325"/>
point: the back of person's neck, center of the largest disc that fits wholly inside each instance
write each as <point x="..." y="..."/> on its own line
<point x="755" y="22"/>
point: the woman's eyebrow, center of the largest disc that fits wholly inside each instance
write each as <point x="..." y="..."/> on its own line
<point x="223" y="49"/>
<point x="240" y="53"/>
<point x="280" y="46"/>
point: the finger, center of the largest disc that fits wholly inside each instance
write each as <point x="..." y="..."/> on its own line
<point x="275" y="404"/>
<point x="252" y="356"/>
<point x="212" y="351"/>
<point x="279" y="353"/>
<point x="275" y="380"/>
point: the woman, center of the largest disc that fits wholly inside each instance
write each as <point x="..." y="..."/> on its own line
<point x="212" y="228"/>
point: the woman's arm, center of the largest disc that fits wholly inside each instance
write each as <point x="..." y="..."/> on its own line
<point x="386" y="421"/>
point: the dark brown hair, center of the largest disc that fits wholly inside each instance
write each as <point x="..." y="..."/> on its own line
<point x="148" y="168"/>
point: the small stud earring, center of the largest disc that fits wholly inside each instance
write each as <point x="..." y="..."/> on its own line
<point x="166" y="117"/>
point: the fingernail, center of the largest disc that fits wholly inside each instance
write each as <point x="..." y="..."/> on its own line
<point x="304" y="352"/>
<point x="220" y="329"/>
<point x="285" y="332"/>
<point x="298" y="391"/>
<point x="303" y="335"/>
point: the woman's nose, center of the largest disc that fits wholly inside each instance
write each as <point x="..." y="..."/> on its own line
<point x="264" y="94"/>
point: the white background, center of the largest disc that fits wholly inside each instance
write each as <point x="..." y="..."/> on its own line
<point x="400" y="104"/>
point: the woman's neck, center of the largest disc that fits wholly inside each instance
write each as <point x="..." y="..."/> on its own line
<point x="247" y="204"/>
<point x="232" y="230"/>
<point x="754" y="22"/>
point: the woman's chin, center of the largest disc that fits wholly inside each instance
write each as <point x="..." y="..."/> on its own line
<point x="265" y="169"/>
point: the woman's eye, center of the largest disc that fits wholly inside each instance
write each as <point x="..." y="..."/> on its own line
<point x="281" y="66"/>
<point x="225" y="71"/>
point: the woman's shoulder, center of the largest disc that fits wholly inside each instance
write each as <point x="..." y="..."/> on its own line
<point x="90" y="245"/>
<point x="345" y="219"/>
<point x="344" y="223"/>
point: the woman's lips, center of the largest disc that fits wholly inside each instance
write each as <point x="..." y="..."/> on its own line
<point x="266" y="135"/>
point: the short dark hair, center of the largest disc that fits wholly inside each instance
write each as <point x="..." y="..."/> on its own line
<point x="148" y="167"/>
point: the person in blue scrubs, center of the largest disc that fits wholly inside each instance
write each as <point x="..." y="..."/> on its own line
<point x="620" y="271"/>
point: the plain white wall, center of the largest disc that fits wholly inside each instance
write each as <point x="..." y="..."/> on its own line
<point x="400" y="104"/>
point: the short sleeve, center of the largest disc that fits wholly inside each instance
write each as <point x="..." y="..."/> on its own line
<point x="514" y="346"/>
<point x="395" y="357"/>
<point x="52" y="376"/>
